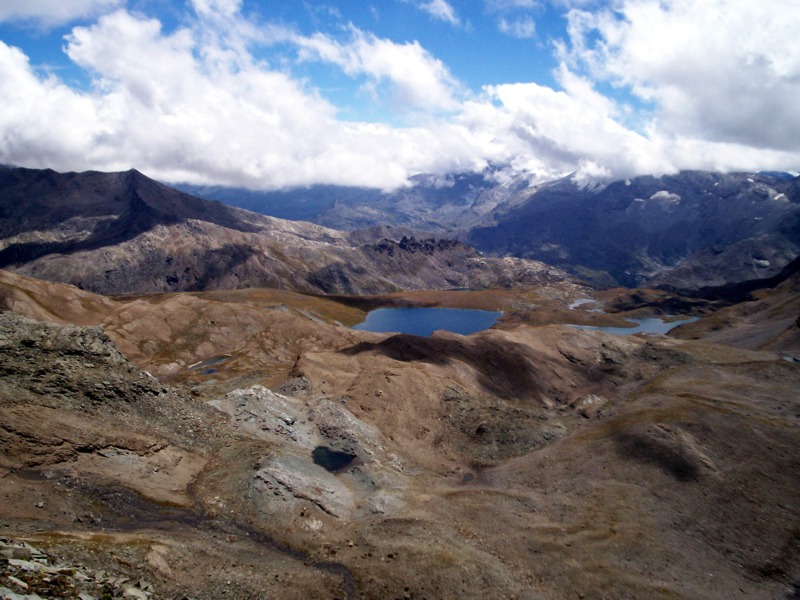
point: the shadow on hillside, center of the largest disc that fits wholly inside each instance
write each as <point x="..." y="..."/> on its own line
<point x="646" y="449"/>
<point x="138" y="218"/>
<point x="507" y="370"/>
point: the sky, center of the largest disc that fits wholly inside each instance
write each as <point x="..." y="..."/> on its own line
<point x="268" y="94"/>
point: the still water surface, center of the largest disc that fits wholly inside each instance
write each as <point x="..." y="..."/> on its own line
<point x="651" y="325"/>
<point x="424" y="321"/>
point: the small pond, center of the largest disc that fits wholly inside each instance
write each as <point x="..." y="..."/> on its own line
<point x="424" y="321"/>
<point x="331" y="460"/>
<point x="649" y="325"/>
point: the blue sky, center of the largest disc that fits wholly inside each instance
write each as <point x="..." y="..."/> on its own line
<point x="279" y="94"/>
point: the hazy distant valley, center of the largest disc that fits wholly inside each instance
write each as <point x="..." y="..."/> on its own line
<point x="171" y="368"/>
<point x="683" y="231"/>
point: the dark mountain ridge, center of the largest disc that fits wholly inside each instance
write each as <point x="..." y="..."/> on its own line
<point x="125" y="233"/>
<point x="637" y="231"/>
<point x="35" y="198"/>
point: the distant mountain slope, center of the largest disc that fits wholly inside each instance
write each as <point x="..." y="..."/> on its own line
<point x="686" y="231"/>
<point x="296" y="204"/>
<point x="435" y="204"/>
<point x="125" y="233"/>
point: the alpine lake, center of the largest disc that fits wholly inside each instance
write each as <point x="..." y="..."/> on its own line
<point x="424" y="321"/>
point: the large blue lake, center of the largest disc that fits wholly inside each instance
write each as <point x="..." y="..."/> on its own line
<point x="424" y="321"/>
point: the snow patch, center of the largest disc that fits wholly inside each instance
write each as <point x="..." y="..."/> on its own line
<point x="591" y="177"/>
<point x="666" y="196"/>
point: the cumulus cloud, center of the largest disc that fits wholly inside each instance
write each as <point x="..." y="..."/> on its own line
<point x="419" y="80"/>
<point x="50" y="13"/>
<point x="724" y="71"/>
<point x="162" y="105"/>
<point x="197" y="104"/>
<point x="546" y="133"/>
<point x="42" y="121"/>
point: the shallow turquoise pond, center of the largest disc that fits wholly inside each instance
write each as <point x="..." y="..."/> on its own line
<point x="649" y="325"/>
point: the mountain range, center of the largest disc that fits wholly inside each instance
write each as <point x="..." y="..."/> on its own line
<point x="682" y="232"/>
<point x="211" y="426"/>
<point x="125" y="233"/>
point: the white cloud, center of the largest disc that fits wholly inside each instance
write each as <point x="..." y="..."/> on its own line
<point x="440" y="9"/>
<point x="42" y="120"/>
<point x="195" y="104"/>
<point x="524" y="27"/>
<point x="514" y="17"/>
<point x="547" y="133"/>
<point x="227" y="8"/>
<point x="159" y="70"/>
<point x="725" y="71"/>
<point x="419" y="80"/>
<point x="171" y="109"/>
<point x="53" y="12"/>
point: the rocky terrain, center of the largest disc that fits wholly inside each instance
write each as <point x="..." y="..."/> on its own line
<point x="118" y="233"/>
<point x="429" y="203"/>
<point x="38" y="575"/>
<point x="216" y="429"/>
<point x="246" y="443"/>
<point x="768" y="321"/>
<point x="684" y="231"/>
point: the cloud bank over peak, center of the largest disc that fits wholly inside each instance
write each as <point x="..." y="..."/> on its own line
<point x="228" y="97"/>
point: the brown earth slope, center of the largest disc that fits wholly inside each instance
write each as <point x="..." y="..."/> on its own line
<point x="771" y="321"/>
<point x="520" y="462"/>
<point x="99" y="466"/>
